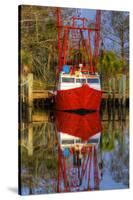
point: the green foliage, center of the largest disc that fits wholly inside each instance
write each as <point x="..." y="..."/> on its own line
<point x="107" y="143"/>
<point x="26" y="58"/>
<point x="51" y="163"/>
<point x="38" y="41"/>
<point x="110" y="64"/>
<point x="115" y="34"/>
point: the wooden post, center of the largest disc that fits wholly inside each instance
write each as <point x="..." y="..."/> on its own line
<point x="113" y="90"/>
<point x="22" y="89"/>
<point x="110" y="84"/>
<point x="29" y="113"/>
<point x="120" y="90"/>
<point x="23" y="94"/>
<point x="123" y="89"/>
<point x="30" y="89"/>
<point x="30" y="140"/>
<point x="109" y="97"/>
<point x="113" y="97"/>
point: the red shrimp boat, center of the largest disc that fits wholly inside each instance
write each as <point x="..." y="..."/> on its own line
<point x="78" y="92"/>
<point x="78" y="83"/>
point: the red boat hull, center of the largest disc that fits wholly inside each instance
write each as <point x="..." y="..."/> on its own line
<point x="83" y="97"/>
<point x="82" y="126"/>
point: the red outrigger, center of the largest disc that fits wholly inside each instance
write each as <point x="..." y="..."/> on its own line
<point x="78" y="83"/>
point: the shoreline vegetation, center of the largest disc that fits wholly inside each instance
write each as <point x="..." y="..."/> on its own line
<point x="38" y="46"/>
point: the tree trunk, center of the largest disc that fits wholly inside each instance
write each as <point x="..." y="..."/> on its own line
<point x="49" y="57"/>
<point x="122" y="47"/>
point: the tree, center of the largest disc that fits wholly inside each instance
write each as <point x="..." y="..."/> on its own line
<point x="38" y="40"/>
<point x="109" y="65"/>
<point x="115" y="34"/>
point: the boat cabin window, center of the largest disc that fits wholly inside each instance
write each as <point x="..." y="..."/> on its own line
<point x="80" y="80"/>
<point x="67" y="80"/>
<point x="93" y="141"/>
<point x="67" y="141"/>
<point x="92" y="80"/>
<point x="78" y="141"/>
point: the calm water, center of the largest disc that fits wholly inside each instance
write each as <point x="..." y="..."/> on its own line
<point x="61" y="152"/>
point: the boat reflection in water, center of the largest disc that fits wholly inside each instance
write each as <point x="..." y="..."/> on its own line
<point x="78" y="145"/>
<point x="68" y="152"/>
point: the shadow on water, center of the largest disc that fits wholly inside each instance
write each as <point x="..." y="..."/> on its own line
<point x="80" y="111"/>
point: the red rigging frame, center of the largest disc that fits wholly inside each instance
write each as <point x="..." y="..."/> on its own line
<point x="78" y="163"/>
<point x="76" y="178"/>
<point x="78" y="33"/>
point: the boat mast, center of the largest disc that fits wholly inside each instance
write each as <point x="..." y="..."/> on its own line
<point x="79" y="29"/>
